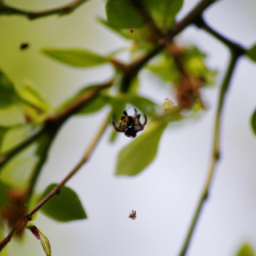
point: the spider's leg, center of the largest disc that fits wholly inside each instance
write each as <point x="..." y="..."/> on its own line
<point x="114" y="125"/>
<point x="135" y="112"/>
<point x="125" y="113"/>
<point x="138" y="119"/>
<point x="145" y="120"/>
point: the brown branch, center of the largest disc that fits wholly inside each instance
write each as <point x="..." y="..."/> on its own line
<point x="66" y="9"/>
<point x="24" y="220"/>
<point x="200" y="23"/>
<point x="79" y="103"/>
<point x="55" y="122"/>
<point x="177" y="28"/>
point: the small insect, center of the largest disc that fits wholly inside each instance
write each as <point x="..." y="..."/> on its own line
<point x="131" y="30"/>
<point x="133" y="215"/>
<point x="24" y="46"/>
<point x="130" y="125"/>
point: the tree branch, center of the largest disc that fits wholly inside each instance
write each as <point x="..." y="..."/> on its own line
<point x="200" y="23"/>
<point x="215" y="148"/>
<point x="55" y="122"/>
<point x="66" y="9"/>
<point x="24" y="220"/>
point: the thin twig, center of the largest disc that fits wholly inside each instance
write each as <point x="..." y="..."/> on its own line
<point x="200" y="23"/>
<point x="23" y="221"/>
<point x="215" y="148"/>
<point x="136" y="66"/>
<point x="66" y="9"/>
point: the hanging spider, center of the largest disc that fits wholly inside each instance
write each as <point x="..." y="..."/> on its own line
<point x="130" y="125"/>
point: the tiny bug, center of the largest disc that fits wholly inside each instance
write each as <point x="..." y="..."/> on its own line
<point x="133" y="215"/>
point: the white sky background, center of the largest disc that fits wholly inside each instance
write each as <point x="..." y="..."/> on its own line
<point x="166" y="193"/>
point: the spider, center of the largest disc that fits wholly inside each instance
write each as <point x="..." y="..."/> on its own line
<point x="133" y="215"/>
<point x="130" y="125"/>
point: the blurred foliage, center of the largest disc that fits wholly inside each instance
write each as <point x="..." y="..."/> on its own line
<point x="245" y="250"/>
<point x="251" y="53"/>
<point x="24" y="111"/>
<point x="253" y="122"/>
<point x="140" y="152"/>
<point x="76" y="57"/>
<point x="124" y="14"/>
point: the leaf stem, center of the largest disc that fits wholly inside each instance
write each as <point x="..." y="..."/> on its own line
<point x="66" y="9"/>
<point x="24" y="220"/>
<point x="215" y="148"/>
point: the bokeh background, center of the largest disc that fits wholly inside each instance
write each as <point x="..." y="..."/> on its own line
<point x="166" y="193"/>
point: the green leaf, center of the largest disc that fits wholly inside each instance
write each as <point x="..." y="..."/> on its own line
<point x="165" y="69"/>
<point x="141" y="151"/>
<point x="118" y="106"/>
<point x="251" y="53"/>
<point x="3" y="131"/>
<point x="63" y="207"/>
<point x="163" y="11"/>
<point x="122" y="14"/>
<point x="14" y="136"/>
<point x="4" y="188"/>
<point x="4" y="250"/>
<point x="114" y="29"/>
<point x="92" y="106"/>
<point x="43" y="238"/>
<point x="32" y="97"/>
<point x="144" y="105"/>
<point x="113" y="136"/>
<point x="76" y="57"/>
<point x="140" y="37"/>
<point x="17" y="172"/>
<point x="253" y="122"/>
<point x="194" y="64"/>
<point x="246" y="250"/>
<point x="7" y="91"/>
<point x="11" y="115"/>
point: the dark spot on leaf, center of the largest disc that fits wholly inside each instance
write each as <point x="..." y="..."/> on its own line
<point x="24" y="46"/>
